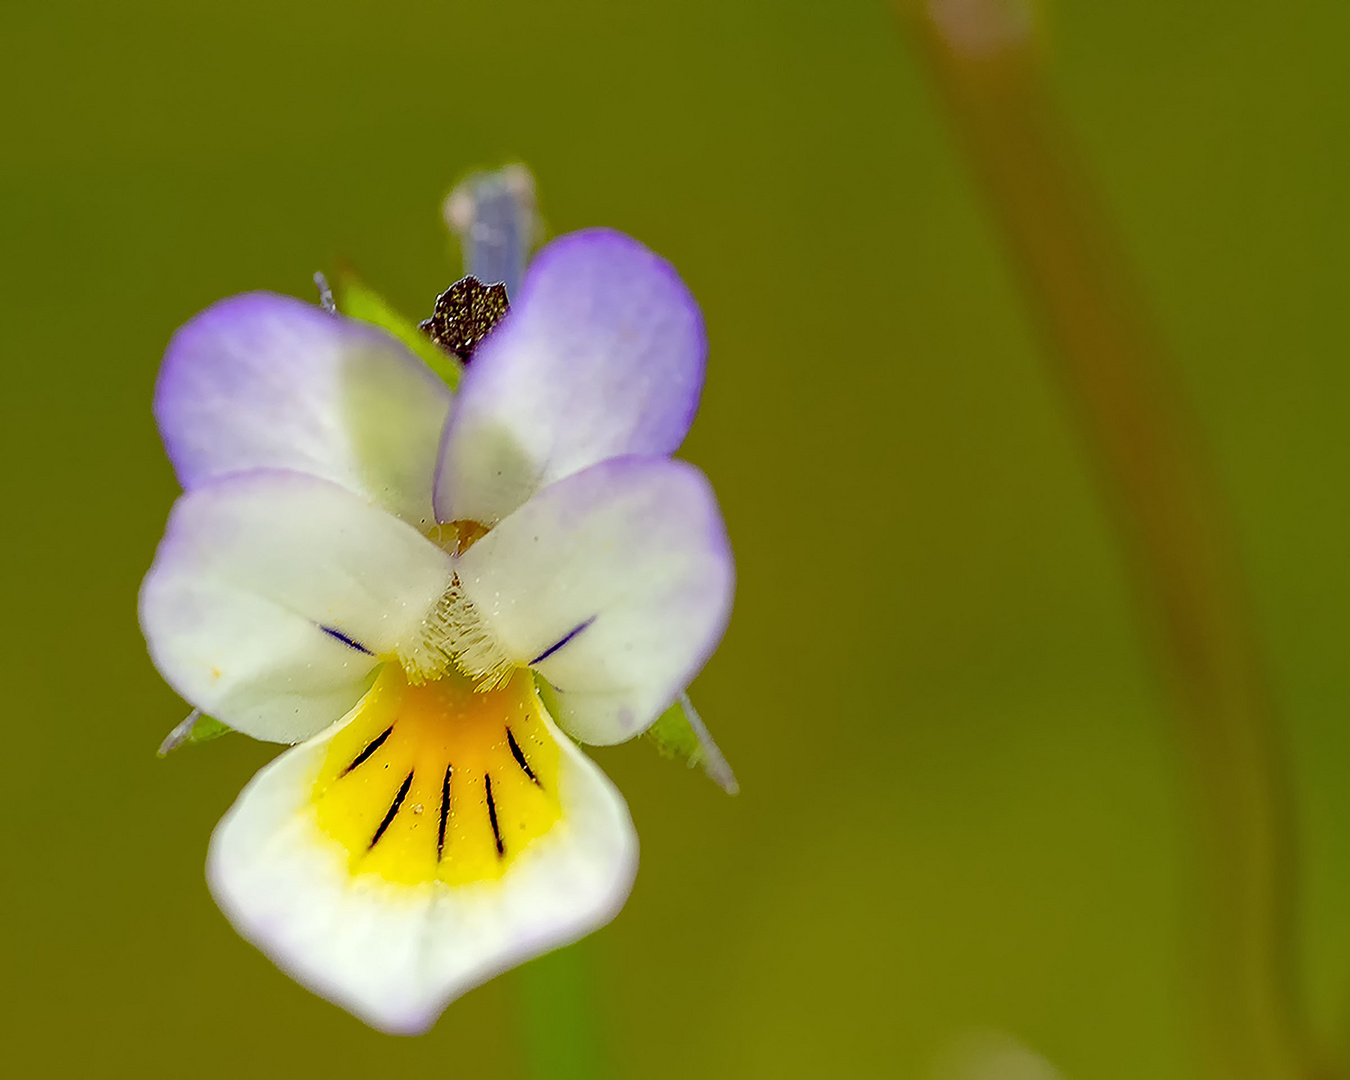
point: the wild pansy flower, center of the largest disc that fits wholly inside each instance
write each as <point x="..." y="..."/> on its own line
<point x="378" y="568"/>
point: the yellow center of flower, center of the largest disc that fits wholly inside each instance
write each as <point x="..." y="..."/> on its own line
<point x="440" y="781"/>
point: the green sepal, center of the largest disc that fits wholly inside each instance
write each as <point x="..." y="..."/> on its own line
<point x="197" y="728"/>
<point x="357" y="300"/>
<point x="680" y="735"/>
<point x="674" y="737"/>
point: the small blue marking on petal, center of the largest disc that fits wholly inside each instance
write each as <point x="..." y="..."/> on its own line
<point x="558" y="645"/>
<point x="346" y="640"/>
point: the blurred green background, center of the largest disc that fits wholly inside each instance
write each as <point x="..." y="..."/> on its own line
<point x="963" y="807"/>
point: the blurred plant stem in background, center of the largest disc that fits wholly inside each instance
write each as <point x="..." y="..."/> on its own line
<point x="985" y="59"/>
<point x="494" y="216"/>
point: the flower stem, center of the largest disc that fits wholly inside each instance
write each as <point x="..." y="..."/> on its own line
<point x="985" y="60"/>
<point x="562" y="1030"/>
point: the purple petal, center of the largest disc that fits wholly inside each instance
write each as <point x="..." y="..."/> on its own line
<point x="267" y="381"/>
<point x="601" y="355"/>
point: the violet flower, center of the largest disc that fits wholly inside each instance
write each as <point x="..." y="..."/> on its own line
<point x="377" y="568"/>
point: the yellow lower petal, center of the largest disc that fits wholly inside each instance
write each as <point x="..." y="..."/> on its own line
<point x="438" y="781"/>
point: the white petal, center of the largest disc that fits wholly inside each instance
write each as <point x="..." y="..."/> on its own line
<point x="273" y="594"/>
<point x="615" y="584"/>
<point x="394" y="954"/>
<point x="267" y="381"/>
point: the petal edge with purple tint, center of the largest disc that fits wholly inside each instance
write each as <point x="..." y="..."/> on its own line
<point x="262" y="380"/>
<point x="601" y="355"/>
